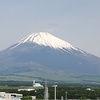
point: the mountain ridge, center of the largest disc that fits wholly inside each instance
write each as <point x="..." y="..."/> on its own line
<point x="47" y="59"/>
<point x="46" y="39"/>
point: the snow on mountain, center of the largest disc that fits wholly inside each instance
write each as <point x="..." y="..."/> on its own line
<point x="45" y="39"/>
<point x="42" y="55"/>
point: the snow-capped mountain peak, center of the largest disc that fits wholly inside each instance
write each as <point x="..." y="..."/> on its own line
<point x="42" y="53"/>
<point x="46" y="39"/>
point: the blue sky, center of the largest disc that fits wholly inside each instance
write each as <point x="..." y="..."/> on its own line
<point x="75" y="21"/>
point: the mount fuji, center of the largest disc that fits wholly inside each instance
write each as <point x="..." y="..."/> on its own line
<point x="42" y="55"/>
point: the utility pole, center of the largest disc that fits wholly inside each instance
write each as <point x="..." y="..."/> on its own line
<point x="65" y="95"/>
<point x="62" y="98"/>
<point x="54" y="91"/>
<point x="46" y="95"/>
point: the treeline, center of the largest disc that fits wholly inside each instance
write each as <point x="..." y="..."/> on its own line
<point x="73" y="92"/>
<point x="15" y="83"/>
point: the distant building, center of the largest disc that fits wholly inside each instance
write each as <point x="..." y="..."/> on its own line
<point x="89" y="89"/>
<point x="36" y="84"/>
<point x="10" y="96"/>
<point x="26" y="89"/>
<point x="33" y="97"/>
<point x="31" y="88"/>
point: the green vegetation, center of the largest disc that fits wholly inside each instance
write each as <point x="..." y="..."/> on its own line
<point x="52" y="76"/>
<point x="74" y="91"/>
<point x="27" y="98"/>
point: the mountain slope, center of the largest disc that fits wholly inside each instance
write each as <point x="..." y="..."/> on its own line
<point x="42" y="55"/>
<point x="45" y="39"/>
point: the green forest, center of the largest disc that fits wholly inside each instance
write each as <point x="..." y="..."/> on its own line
<point x="76" y="91"/>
